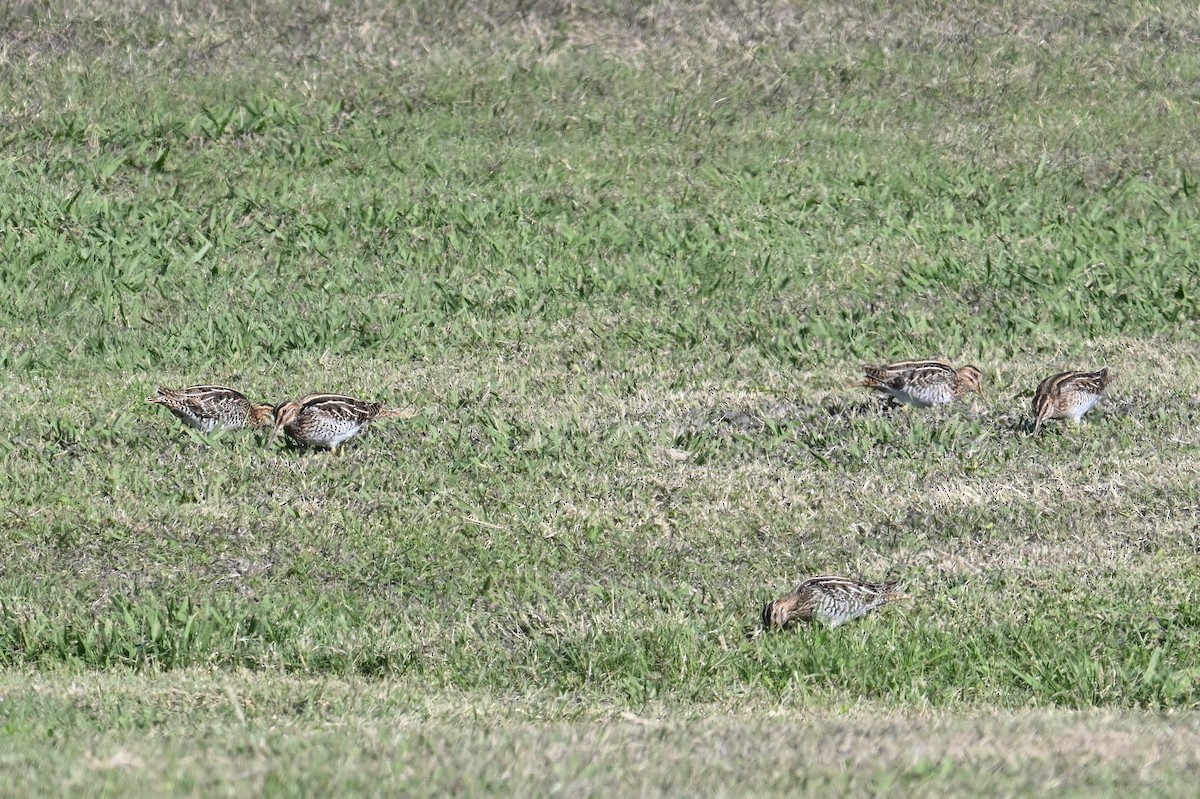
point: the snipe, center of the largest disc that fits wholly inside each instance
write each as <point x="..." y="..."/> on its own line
<point x="207" y="408"/>
<point x="325" y="420"/>
<point x="922" y="383"/>
<point x="830" y="600"/>
<point x="1068" y="395"/>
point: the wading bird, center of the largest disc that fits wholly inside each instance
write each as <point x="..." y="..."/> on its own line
<point x="923" y="383"/>
<point x="1068" y="395"/>
<point x="207" y="408"/>
<point x="830" y="600"/>
<point x="325" y="420"/>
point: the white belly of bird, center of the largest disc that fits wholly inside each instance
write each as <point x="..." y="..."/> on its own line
<point x="329" y="435"/>
<point x="204" y="424"/>
<point x="1081" y="404"/>
<point x="923" y="396"/>
<point x="839" y="611"/>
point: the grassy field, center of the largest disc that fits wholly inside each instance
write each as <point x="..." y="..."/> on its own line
<point x="616" y="263"/>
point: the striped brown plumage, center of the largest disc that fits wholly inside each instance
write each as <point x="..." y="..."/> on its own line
<point x="325" y="420"/>
<point x="830" y="600"/>
<point x="1068" y="395"/>
<point x="922" y="383"/>
<point x="207" y="408"/>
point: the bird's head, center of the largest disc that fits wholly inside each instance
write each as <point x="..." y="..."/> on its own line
<point x="261" y="413"/>
<point x="285" y="414"/>
<point x="971" y="378"/>
<point x="776" y="614"/>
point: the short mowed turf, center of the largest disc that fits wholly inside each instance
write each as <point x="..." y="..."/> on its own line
<point x="616" y="265"/>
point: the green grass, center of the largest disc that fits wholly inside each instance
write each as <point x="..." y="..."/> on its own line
<point x="616" y="265"/>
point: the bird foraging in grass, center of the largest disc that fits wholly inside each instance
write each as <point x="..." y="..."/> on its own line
<point x="1068" y="395"/>
<point x="922" y="383"/>
<point x="325" y="420"/>
<point x="830" y="600"/>
<point x="207" y="408"/>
